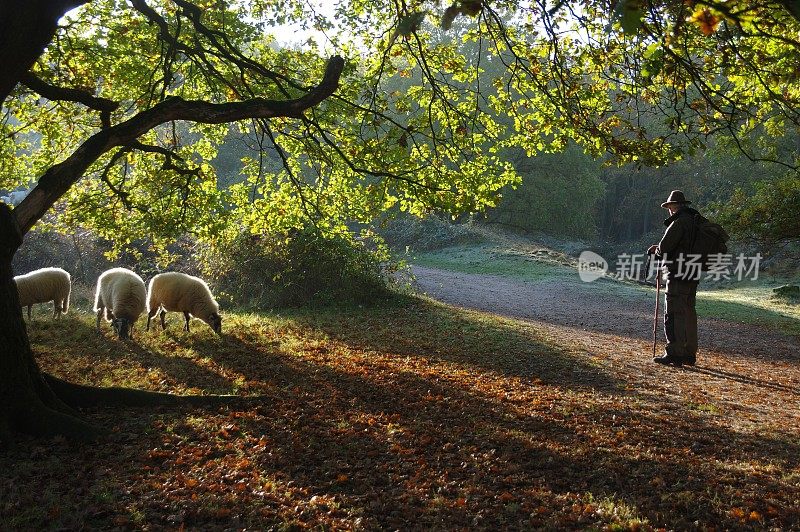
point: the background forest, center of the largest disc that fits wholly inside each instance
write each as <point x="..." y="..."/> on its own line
<point x="538" y="120"/>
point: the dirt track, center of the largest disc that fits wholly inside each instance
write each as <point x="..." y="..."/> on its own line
<point x="733" y="357"/>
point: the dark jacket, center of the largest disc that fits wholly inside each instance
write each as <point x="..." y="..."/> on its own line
<point x="677" y="240"/>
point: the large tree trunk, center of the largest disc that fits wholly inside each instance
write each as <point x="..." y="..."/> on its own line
<point x="27" y="404"/>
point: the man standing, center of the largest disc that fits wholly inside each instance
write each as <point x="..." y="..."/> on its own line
<point x="680" y="317"/>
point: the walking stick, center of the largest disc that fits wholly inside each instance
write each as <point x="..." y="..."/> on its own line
<point x="658" y="301"/>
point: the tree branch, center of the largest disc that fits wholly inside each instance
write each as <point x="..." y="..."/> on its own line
<point x="60" y="177"/>
<point x="55" y="93"/>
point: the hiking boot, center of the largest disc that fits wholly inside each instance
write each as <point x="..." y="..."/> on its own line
<point x="690" y="360"/>
<point x="669" y="360"/>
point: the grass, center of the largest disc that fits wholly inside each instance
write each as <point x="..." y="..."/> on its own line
<point x="497" y="260"/>
<point x="410" y="414"/>
<point x="750" y="302"/>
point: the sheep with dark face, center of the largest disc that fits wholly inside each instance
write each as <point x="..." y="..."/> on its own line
<point x="42" y="286"/>
<point x="122" y="295"/>
<point x="178" y="292"/>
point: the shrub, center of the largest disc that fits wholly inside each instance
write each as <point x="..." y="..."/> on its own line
<point x="429" y="233"/>
<point x="303" y="267"/>
<point x="81" y="254"/>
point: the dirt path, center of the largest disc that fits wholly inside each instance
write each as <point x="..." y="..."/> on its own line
<point x="735" y="360"/>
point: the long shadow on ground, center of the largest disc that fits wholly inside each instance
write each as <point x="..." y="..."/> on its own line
<point x="446" y="431"/>
<point x="89" y="355"/>
<point x="421" y="449"/>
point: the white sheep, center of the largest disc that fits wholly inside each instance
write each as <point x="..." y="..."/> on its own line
<point x="178" y="292"/>
<point x="122" y="295"/>
<point x="41" y="286"/>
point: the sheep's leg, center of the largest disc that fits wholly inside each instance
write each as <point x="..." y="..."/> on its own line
<point x="99" y="314"/>
<point x="56" y="307"/>
<point x="150" y="316"/>
<point x="163" y="323"/>
<point x="29" y="312"/>
<point x="186" y="317"/>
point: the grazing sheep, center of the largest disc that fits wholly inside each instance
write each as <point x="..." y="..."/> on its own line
<point x="174" y="291"/>
<point x="41" y="286"/>
<point x="122" y="295"/>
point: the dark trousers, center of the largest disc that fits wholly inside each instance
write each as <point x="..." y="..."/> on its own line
<point x="680" y="319"/>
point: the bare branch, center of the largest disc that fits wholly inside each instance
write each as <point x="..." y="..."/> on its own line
<point x="117" y="191"/>
<point x="217" y="44"/>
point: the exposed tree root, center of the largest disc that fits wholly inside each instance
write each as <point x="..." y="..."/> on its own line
<point x="53" y="412"/>
<point x="41" y="421"/>
<point x="82" y="396"/>
<point x="45" y="393"/>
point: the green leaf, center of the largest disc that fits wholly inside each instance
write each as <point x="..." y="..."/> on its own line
<point x="654" y="60"/>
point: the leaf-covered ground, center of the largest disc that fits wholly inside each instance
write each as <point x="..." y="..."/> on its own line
<point x="412" y="414"/>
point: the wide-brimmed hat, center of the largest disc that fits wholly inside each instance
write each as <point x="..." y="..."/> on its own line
<point x="676" y="196"/>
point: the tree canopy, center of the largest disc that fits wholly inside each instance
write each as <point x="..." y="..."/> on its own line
<point x="428" y="98"/>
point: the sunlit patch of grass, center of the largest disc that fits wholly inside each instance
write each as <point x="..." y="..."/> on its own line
<point x="136" y="516"/>
<point x="749" y="302"/>
<point x="708" y="408"/>
<point x="495" y="260"/>
<point x="624" y="515"/>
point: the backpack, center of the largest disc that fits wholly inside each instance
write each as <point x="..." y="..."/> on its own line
<point x="708" y="238"/>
